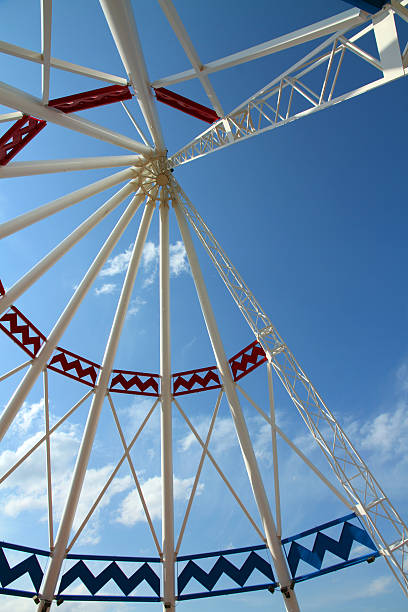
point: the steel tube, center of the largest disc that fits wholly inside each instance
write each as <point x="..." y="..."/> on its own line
<point x="71" y="504"/>
<point x="29" y="105"/>
<point x="39" y="363"/>
<point x="50" y="166"/>
<point x="46" y="210"/>
<point x="247" y="450"/>
<point x="166" y="413"/>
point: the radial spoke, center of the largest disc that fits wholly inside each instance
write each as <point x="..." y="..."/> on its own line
<point x="48" y="460"/>
<point x="50" y="166"/>
<point x="46" y="19"/>
<point x="46" y="210"/>
<point x="61" y="325"/>
<point x="120" y="18"/>
<point x="20" y="100"/>
<point x="134" y="122"/>
<point x="62" y="249"/>
<point x="33" y="56"/>
<point x="15" y="370"/>
<point x="10" y="117"/>
<point x="274" y="452"/>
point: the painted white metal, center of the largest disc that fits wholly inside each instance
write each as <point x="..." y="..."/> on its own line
<point x="296" y="449"/>
<point x="15" y="370"/>
<point x="135" y="123"/>
<point x="71" y="504"/>
<point x="41" y="440"/>
<point x="166" y="412"/>
<point x="185" y="41"/>
<point x="10" y="117"/>
<point x="46" y="20"/>
<point x="247" y="450"/>
<point x="29" y="105"/>
<point x="46" y="210"/>
<point x="40" y="268"/>
<point x="135" y="478"/>
<point x="259" y="114"/>
<point x="381" y="519"/>
<point x="50" y="166"/>
<point x="39" y="363"/>
<point x="278" y="513"/>
<point x="119" y="16"/>
<point x="346" y="19"/>
<point x="48" y="460"/>
<point x="111" y="477"/>
<point x="220" y="472"/>
<point x="198" y="473"/>
<point x="386" y="37"/>
<point x="34" y="56"/>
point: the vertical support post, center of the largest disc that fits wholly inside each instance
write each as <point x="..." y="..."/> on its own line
<point x="71" y="504"/>
<point x="166" y="412"/>
<point x="247" y="450"/>
<point x="48" y="459"/>
<point x="274" y="452"/>
<point x="389" y="51"/>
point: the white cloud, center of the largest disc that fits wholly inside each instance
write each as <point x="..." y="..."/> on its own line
<point x="222" y="439"/>
<point x="106" y="289"/>
<point x="28" y="415"/>
<point x="131" y="510"/>
<point x="150" y="262"/>
<point x="387" y="434"/>
<point x="178" y="258"/>
<point x="135" y="306"/>
<point x="118" y="264"/>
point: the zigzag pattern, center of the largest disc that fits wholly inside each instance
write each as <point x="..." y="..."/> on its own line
<point x="91" y="99"/>
<point x="241" y="364"/>
<point x="143" y="386"/>
<point x="349" y="534"/>
<point x="11" y="317"/>
<point x="68" y="366"/>
<point x="224" y="566"/>
<point x="111" y="572"/>
<point x="18" y="136"/>
<point x="30" y="566"/>
<point x="196" y="379"/>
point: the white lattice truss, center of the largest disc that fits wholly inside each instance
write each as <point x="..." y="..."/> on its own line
<point x="317" y="81"/>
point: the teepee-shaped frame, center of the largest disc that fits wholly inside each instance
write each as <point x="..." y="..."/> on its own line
<point x="292" y="95"/>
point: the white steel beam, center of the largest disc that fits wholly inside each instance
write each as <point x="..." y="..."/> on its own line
<point x="48" y="460"/>
<point x="46" y="210"/>
<point x="120" y="18"/>
<point x="29" y="105"/>
<point x="245" y="443"/>
<point x="41" y="360"/>
<point x="258" y="114"/>
<point x="41" y="267"/>
<point x="46" y="20"/>
<point x="50" y="166"/>
<point x="278" y="513"/>
<point x="185" y="41"/>
<point x="166" y="417"/>
<point x="135" y="123"/>
<point x="34" y="56"/>
<point x="346" y="19"/>
<point x="15" y="370"/>
<point x="381" y="519"/>
<point x="71" y="504"/>
<point x="10" y="117"/>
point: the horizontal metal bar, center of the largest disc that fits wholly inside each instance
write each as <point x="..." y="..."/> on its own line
<point x="337" y="566"/>
<point x="218" y="553"/>
<point x="303" y="534"/>
<point x="107" y="598"/>
<point x="259" y="587"/>
<point x="115" y="558"/>
<point x="34" y="551"/>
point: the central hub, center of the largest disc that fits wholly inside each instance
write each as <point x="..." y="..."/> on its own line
<point x="162" y="179"/>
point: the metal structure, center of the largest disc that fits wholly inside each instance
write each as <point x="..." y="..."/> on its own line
<point x="315" y="82"/>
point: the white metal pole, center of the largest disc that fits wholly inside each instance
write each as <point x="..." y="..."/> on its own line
<point x="166" y="413"/>
<point x="39" y="363"/>
<point x="41" y="267"/>
<point x="50" y="166"/>
<point x="46" y="21"/>
<point x="247" y="450"/>
<point x="29" y="105"/>
<point x="121" y="21"/>
<point x="274" y="452"/>
<point x="71" y="504"/>
<point x="46" y="210"/>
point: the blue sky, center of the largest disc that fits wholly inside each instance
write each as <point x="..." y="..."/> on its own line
<point x="313" y="216"/>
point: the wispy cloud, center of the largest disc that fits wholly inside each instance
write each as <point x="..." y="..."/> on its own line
<point x="28" y="415"/>
<point x="105" y="289"/>
<point x="178" y="259"/>
<point x="135" y="306"/>
<point x="117" y="264"/>
<point x="131" y="510"/>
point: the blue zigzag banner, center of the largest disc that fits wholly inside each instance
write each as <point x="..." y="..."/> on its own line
<point x="251" y="567"/>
